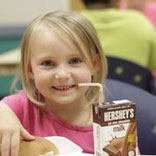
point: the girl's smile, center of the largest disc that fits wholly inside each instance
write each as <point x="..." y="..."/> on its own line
<point x="63" y="88"/>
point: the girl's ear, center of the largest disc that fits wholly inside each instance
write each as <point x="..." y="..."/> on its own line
<point x="30" y="73"/>
<point x="96" y="63"/>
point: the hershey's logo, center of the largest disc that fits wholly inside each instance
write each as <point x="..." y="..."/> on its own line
<point x="119" y="114"/>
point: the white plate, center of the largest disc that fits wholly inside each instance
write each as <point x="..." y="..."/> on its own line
<point x="86" y="154"/>
<point x="65" y="146"/>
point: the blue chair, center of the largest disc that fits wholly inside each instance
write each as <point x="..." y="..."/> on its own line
<point x="130" y="72"/>
<point x="146" y="111"/>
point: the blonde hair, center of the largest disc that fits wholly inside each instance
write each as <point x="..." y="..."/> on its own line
<point x="77" y="30"/>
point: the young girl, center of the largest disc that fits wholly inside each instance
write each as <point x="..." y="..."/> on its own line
<point x="59" y="50"/>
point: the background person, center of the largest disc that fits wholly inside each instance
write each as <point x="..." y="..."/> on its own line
<point x="125" y="34"/>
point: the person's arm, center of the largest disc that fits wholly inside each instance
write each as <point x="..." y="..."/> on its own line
<point x="11" y="131"/>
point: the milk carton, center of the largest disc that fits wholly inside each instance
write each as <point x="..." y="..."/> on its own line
<point x="115" y="128"/>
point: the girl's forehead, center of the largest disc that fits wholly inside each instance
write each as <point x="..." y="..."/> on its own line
<point x="45" y="34"/>
<point x="45" y="38"/>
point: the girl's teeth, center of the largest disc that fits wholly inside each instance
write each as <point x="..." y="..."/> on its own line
<point x="63" y="87"/>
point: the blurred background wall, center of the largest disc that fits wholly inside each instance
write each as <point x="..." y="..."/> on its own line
<point x="15" y="15"/>
<point x="17" y="12"/>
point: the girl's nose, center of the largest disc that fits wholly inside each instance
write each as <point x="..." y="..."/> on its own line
<point x="62" y="75"/>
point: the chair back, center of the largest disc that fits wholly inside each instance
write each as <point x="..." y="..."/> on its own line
<point x="145" y="111"/>
<point x="132" y="73"/>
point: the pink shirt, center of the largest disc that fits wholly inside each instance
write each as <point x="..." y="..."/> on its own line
<point x="150" y="12"/>
<point x="48" y="124"/>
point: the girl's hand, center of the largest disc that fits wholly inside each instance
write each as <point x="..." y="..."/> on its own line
<point x="10" y="132"/>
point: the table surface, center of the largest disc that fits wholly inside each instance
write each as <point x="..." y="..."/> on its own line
<point x="10" y="57"/>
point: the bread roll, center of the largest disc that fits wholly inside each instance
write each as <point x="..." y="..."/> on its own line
<point x="37" y="147"/>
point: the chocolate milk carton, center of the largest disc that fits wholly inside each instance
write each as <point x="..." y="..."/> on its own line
<point x="115" y="128"/>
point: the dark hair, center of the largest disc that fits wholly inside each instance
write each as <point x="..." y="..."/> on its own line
<point x="88" y="2"/>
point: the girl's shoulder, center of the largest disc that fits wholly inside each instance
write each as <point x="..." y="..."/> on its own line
<point x="20" y="104"/>
<point x="17" y="97"/>
<point x="18" y="100"/>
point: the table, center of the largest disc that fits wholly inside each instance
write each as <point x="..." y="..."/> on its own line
<point x="9" y="62"/>
<point x="10" y="57"/>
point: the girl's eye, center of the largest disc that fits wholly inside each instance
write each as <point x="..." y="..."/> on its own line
<point x="48" y="63"/>
<point x="75" y="60"/>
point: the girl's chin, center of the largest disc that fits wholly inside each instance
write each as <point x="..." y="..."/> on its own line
<point x="63" y="100"/>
